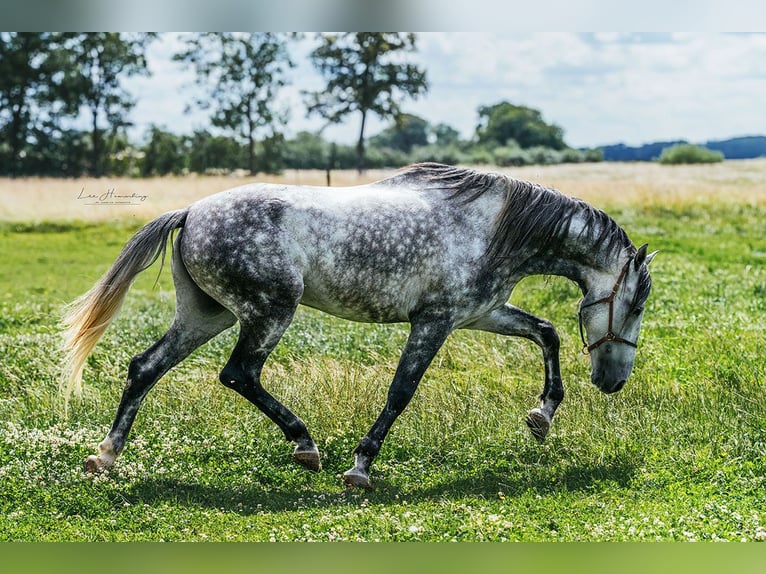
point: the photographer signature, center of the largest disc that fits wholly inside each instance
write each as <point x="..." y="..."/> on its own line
<point x="110" y="197"/>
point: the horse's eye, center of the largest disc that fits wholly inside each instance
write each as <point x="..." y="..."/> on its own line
<point x="637" y="311"/>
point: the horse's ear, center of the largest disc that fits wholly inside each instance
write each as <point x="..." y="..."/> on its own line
<point x="642" y="257"/>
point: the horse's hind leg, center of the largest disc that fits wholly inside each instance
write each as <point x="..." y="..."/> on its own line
<point x="257" y="339"/>
<point x="198" y="319"/>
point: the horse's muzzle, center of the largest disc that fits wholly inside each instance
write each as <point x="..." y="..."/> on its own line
<point x="610" y="389"/>
<point x="605" y="385"/>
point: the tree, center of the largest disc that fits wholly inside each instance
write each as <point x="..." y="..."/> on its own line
<point x="407" y="132"/>
<point x="164" y="153"/>
<point x="210" y="153"/>
<point x="96" y="63"/>
<point x="242" y="73"/>
<point x="364" y="74"/>
<point x="307" y="151"/>
<point x="26" y="77"/>
<point x="503" y="122"/>
<point x="445" y="135"/>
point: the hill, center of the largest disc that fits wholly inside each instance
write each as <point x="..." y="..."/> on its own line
<point x="746" y="147"/>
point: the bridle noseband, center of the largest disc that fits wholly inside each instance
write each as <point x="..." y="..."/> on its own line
<point x="610" y="334"/>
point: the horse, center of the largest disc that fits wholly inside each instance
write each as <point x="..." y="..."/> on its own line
<point x="437" y="246"/>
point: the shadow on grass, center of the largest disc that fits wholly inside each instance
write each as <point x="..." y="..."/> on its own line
<point x="327" y="493"/>
<point x="540" y="480"/>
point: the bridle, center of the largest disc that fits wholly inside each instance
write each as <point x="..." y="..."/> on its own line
<point x="610" y="334"/>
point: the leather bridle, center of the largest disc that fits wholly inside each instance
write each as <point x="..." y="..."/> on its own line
<point x="610" y="336"/>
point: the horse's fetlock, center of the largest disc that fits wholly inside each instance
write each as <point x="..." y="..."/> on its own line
<point x="556" y="394"/>
<point x="366" y="447"/>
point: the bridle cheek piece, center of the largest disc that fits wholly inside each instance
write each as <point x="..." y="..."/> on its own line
<point x="610" y="334"/>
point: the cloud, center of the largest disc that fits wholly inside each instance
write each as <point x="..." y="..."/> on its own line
<point x="603" y="88"/>
<point x="599" y="87"/>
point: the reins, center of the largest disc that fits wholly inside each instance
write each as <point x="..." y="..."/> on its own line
<point x="610" y="334"/>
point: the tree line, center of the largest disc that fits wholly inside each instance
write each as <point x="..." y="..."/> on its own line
<point x="49" y="82"/>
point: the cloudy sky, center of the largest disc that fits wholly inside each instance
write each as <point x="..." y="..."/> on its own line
<point x="601" y="88"/>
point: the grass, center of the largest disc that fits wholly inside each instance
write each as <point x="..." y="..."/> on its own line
<point x="679" y="454"/>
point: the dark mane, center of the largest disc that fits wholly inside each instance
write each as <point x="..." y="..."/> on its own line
<point x="643" y="287"/>
<point x="533" y="219"/>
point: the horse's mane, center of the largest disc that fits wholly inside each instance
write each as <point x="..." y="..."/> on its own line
<point x="533" y="218"/>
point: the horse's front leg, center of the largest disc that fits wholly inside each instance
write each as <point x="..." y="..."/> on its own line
<point x="510" y="320"/>
<point x="426" y="338"/>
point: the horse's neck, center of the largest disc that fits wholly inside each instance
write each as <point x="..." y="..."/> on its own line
<point x="578" y="258"/>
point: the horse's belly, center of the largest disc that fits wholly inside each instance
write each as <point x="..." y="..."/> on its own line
<point x="358" y="300"/>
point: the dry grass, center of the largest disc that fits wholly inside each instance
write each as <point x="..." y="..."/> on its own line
<point x="603" y="184"/>
<point x="642" y="184"/>
<point x="52" y="199"/>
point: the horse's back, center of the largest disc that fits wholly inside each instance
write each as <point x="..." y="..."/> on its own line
<point x="369" y="253"/>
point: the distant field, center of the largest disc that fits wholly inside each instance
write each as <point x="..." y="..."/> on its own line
<point x="679" y="454"/>
<point x="604" y="184"/>
<point x="35" y="199"/>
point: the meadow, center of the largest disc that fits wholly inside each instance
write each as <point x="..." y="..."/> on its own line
<point x="679" y="454"/>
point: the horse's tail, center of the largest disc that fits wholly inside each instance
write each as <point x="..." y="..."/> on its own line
<point x="87" y="317"/>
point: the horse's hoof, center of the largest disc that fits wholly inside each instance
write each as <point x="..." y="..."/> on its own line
<point x="538" y="424"/>
<point x="356" y="478"/>
<point x="308" y="458"/>
<point x="93" y="465"/>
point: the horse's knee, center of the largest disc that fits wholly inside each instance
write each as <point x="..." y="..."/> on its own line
<point x="549" y="336"/>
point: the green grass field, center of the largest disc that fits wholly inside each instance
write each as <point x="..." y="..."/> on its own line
<point x="679" y="454"/>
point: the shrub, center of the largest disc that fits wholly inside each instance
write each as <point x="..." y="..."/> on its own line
<point x="385" y="157"/>
<point x="593" y="155"/>
<point x="688" y="153"/>
<point x="511" y="155"/>
<point x="449" y="154"/>
<point x="542" y="155"/>
<point x="571" y="155"/>
<point x="480" y="156"/>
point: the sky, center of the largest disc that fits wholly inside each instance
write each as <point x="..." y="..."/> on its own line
<point x="601" y="88"/>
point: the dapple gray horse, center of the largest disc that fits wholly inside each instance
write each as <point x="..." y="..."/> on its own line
<point x="436" y="246"/>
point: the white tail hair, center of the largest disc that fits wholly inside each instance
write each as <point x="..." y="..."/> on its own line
<point x="87" y="317"/>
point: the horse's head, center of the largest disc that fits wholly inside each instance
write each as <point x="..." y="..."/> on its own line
<point x="611" y="314"/>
